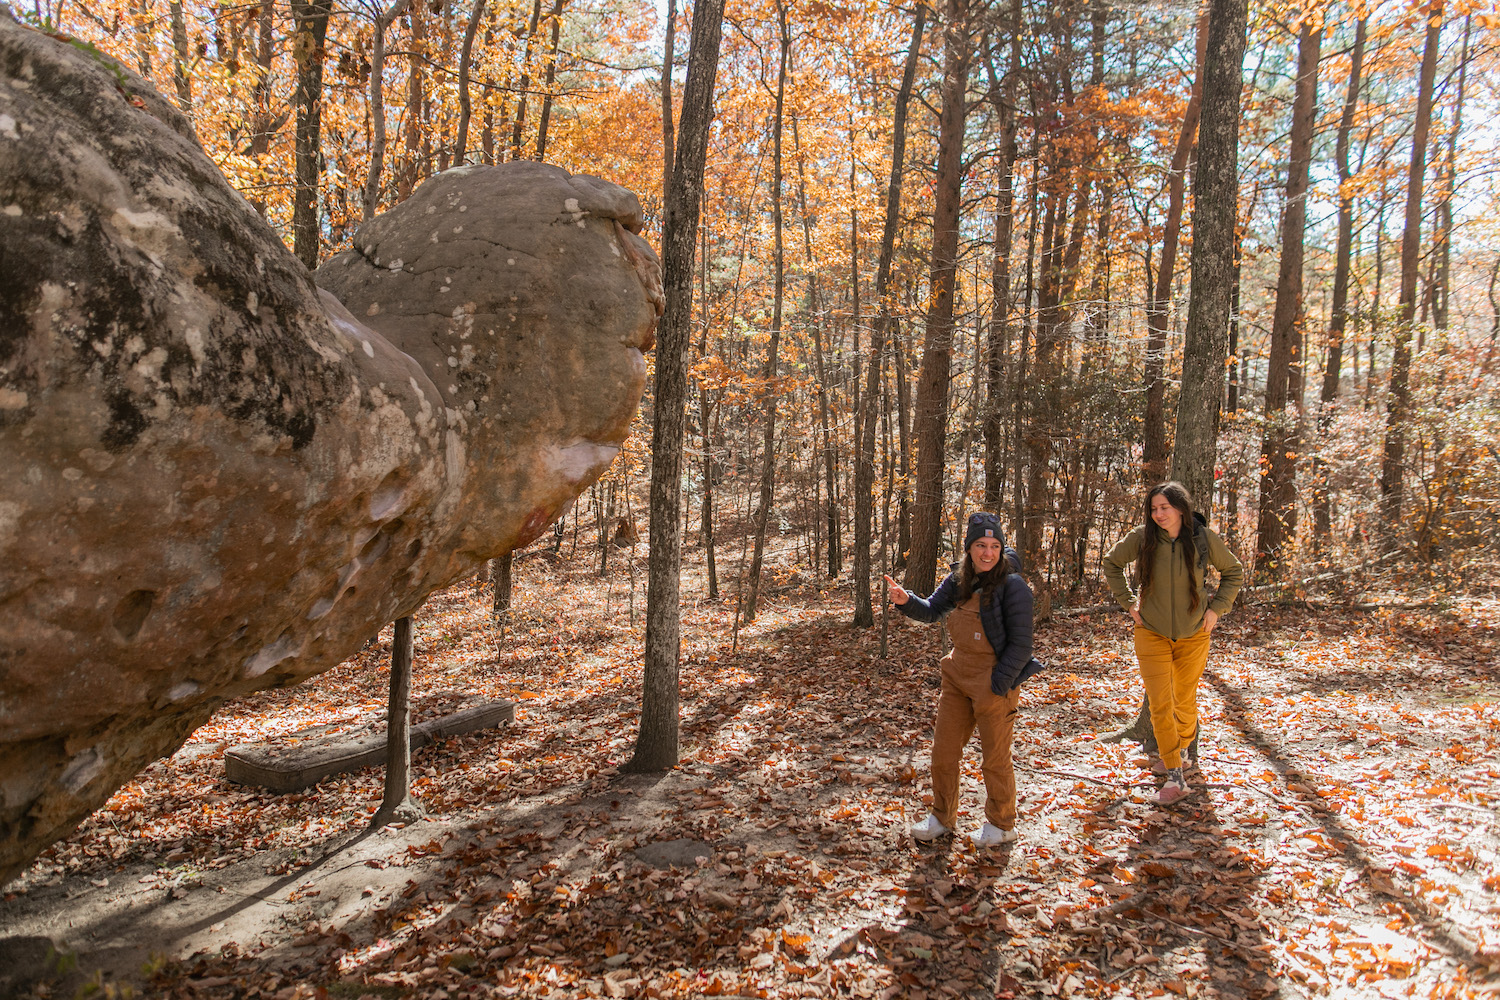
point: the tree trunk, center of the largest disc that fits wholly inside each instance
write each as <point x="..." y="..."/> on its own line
<point x="181" y="56"/>
<point x="1444" y="239"/>
<point x="141" y="18"/>
<point x="1280" y="440"/>
<point x="1059" y="268"/>
<point x="932" y="386"/>
<point x="1018" y="400"/>
<point x="518" y="130"/>
<point x="461" y="153"/>
<point x="1338" y="308"/>
<point x="778" y="294"/>
<point x="999" y="339"/>
<point x="544" y="120"/>
<point x="1398" y="393"/>
<point x="500" y="575"/>
<point x="864" y="471"/>
<point x="830" y="511"/>
<point x="667" y="126"/>
<point x="261" y="121"/>
<point x="656" y="743"/>
<point x="377" y="107"/>
<point x="1158" y="308"/>
<point x="311" y="18"/>
<point x="1215" y="213"/>
<point x="397" y="805"/>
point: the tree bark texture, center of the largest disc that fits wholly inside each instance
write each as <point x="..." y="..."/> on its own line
<point x="1398" y="393"/>
<point x="397" y="804"/>
<point x="656" y="743"/>
<point x="864" y="470"/>
<point x="1158" y="309"/>
<point x="997" y="349"/>
<point x="311" y="17"/>
<point x="549" y="77"/>
<point x="932" y="385"/>
<point x="377" y="107"/>
<point x="1338" y="311"/>
<point x="668" y="127"/>
<point x="465" y="61"/>
<point x="181" y="79"/>
<point x="518" y="128"/>
<point x="1280" y="441"/>
<point x="778" y="296"/>
<point x="1215" y="213"/>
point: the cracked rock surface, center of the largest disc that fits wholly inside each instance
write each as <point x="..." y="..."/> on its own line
<point x="218" y="477"/>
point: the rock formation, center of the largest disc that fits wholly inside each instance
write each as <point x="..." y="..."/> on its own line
<point x="217" y="478"/>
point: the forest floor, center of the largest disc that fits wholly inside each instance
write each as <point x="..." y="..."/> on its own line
<point x="1343" y="840"/>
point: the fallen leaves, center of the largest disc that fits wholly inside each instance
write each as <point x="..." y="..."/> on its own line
<point x="1316" y="853"/>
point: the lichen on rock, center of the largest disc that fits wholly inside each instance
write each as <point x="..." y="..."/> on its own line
<point x="221" y="478"/>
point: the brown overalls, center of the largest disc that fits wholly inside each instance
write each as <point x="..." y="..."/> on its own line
<point x="967" y="701"/>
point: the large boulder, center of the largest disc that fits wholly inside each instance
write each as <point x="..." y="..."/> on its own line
<point x="218" y="479"/>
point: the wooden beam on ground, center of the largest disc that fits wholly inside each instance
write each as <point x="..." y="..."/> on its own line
<point x="284" y="768"/>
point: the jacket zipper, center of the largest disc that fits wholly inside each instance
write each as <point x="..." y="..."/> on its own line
<point x="1172" y="593"/>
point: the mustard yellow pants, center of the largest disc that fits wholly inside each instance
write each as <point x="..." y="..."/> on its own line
<point x="1170" y="671"/>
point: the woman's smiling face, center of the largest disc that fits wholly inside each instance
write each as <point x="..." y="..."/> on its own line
<point x="1167" y="517"/>
<point x="985" y="553"/>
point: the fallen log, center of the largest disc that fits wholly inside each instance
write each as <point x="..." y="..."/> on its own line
<point x="283" y="768"/>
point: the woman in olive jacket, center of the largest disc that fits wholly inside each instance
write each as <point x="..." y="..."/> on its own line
<point x="1174" y="617"/>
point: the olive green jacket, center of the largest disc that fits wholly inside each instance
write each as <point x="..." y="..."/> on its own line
<point x="1165" y="608"/>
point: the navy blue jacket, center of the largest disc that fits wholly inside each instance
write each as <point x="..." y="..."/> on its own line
<point x="1006" y="618"/>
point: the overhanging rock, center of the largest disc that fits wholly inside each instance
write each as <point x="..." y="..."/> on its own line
<point x="220" y="480"/>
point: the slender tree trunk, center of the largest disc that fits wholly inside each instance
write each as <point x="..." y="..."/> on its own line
<point x="1338" y="308"/>
<point x="549" y="77"/>
<point x="500" y="575"/>
<point x="383" y="22"/>
<point x="487" y="117"/>
<point x="1444" y="238"/>
<point x="397" y="805"/>
<point x="1398" y="393"/>
<point x="307" y="46"/>
<point x="140" y="15"/>
<point x="830" y="511"/>
<point x="1279" y="443"/>
<point x="1215" y="213"/>
<point x="1018" y="384"/>
<point x="1489" y="354"/>
<point x="932" y="386"/>
<point x="518" y="129"/>
<point x="778" y="264"/>
<point x="656" y="743"/>
<point x="996" y="354"/>
<point x="1158" y="308"/>
<point x="1059" y="268"/>
<point x="181" y="57"/>
<point x="667" y="126"/>
<point x="903" y="440"/>
<point x="464" y="62"/>
<point x="260" y="97"/>
<point x="864" y="473"/>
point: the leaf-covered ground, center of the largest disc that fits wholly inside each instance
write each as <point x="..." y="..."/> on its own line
<point x="1342" y="839"/>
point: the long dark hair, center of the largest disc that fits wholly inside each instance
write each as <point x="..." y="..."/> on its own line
<point x="970" y="579"/>
<point x="1178" y="496"/>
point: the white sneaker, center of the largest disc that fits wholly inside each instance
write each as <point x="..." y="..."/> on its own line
<point x="989" y="835"/>
<point x="930" y="828"/>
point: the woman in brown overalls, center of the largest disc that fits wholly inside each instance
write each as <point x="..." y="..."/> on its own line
<point x="989" y="609"/>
